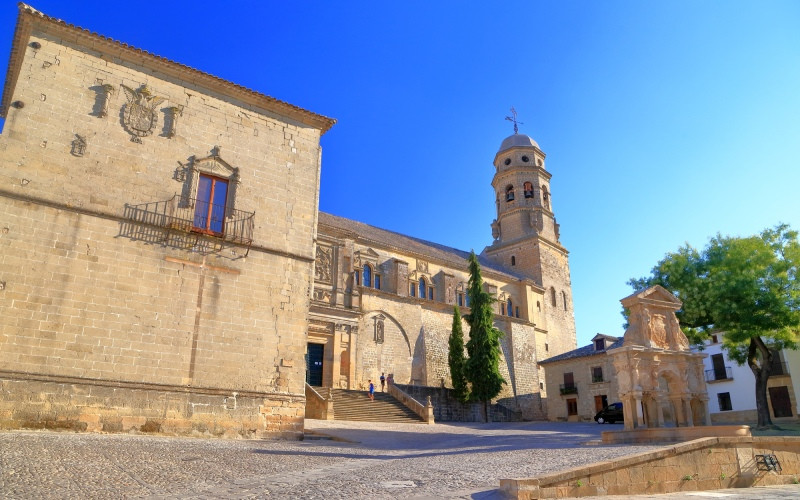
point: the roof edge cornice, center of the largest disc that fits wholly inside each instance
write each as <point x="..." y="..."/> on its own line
<point x="29" y="18"/>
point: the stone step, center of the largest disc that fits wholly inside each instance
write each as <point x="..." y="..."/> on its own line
<point x="356" y="406"/>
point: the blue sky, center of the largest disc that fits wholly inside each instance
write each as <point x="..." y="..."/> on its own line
<point x="663" y="122"/>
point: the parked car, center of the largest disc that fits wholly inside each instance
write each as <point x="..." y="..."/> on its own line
<point x="611" y="413"/>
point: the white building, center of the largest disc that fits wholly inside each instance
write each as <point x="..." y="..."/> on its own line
<point x="731" y="387"/>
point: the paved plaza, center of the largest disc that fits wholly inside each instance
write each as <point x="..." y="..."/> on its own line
<point x="369" y="460"/>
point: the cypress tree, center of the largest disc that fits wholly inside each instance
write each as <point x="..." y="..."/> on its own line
<point x="482" y="369"/>
<point x="456" y="359"/>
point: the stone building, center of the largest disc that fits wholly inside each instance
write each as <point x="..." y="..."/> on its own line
<point x="157" y="230"/>
<point x="582" y="381"/>
<point x="383" y="302"/>
<point x="164" y="266"/>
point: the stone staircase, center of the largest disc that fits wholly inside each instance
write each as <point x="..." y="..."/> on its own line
<point x="355" y="405"/>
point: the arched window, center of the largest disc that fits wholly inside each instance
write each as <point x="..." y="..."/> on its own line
<point x="510" y="308"/>
<point x="528" y="188"/>
<point x="564" y="298"/>
<point x="422" y="288"/>
<point x="513" y="261"/>
<point x="552" y="296"/>
<point x="509" y="193"/>
<point x="538" y="306"/>
<point x="545" y="198"/>
<point x="367" y="273"/>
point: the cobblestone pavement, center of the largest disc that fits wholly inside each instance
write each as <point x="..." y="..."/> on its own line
<point x="372" y="461"/>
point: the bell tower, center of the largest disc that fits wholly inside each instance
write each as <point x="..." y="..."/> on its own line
<point x="526" y="236"/>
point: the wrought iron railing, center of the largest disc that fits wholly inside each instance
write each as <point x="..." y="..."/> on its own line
<point x="568" y="389"/>
<point x="196" y="216"/>
<point x="718" y="374"/>
<point x="597" y="378"/>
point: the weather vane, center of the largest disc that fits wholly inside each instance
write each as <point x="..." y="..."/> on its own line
<point x="513" y="118"/>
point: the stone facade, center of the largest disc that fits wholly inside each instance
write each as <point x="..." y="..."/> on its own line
<point x="129" y="302"/>
<point x="581" y="382"/>
<point x="383" y="302"/>
<point x="164" y="266"/>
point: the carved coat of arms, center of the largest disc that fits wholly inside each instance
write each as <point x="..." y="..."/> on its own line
<point x="140" y="112"/>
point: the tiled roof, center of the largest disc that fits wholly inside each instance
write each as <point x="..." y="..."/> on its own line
<point x="584" y="351"/>
<point x="28" y="14"/>
<point x="402" y="243"/>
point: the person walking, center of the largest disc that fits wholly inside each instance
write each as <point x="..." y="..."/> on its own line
<point x="371" y="391"/>
<point x="383" y="381"/>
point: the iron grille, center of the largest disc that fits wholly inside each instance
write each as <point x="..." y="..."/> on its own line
<point x="196" y="216"/>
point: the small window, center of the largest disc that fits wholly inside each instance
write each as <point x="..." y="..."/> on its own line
<point x="367" y="275"/>
<point x="357" y="277"/>
<point x="564" y="299"/>
<point x="552" y="296"/>
<point x="538" y="306"/>
<point x="528" y="189"/>
<point x="516" y="311"/>
<point x="377" y="282"/>
<point x="509" y="193"/>
<point x="460" y="299"/>
<point x="209" y="210"/>
<point x="502" y="309"/>
<point x="600" y="345"/>
<point x="510" y="308"/>
<point x="724" y="399"/>
<point x="714" y="339"/>
<point x="545" y="198"/>
<point x="513" y="261"/>
<point x="541" y="385"/>
<point x="547" y="347"/>
<point x="412" y="290"/>
<point x="597" y="374"/>
<point x="430" y="293"/>
<point x="422" y="288"/>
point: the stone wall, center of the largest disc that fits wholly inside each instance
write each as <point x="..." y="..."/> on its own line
<point x="446" y="408"/>
<point x="112" y="317"/>
<point x="703" y="464"/>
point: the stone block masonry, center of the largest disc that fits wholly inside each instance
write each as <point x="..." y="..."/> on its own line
<point x="124" y="308"/>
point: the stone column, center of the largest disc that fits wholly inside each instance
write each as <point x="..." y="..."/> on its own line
<point x="660" y="411"/>
<point x="687" y="410"/>
<point x="336" y="365"/>
<point x="639" y="415"/>
<point x="706" y="412"/>
<point x="678" y="411"/>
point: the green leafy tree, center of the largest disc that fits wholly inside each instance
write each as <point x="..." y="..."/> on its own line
<point x="744" y="287"/>
<point x="482" y="369"/>
<point x="456" y="359"/>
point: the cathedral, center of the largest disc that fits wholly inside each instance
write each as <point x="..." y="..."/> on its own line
<point x="383" y="302"/>
<point x="164" y="266"/>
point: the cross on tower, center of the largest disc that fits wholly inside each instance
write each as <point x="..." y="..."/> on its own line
<point x="513" y="118"/>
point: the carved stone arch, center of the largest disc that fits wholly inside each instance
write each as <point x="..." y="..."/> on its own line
<point x="386" y="317"/>
<point x="215" y="166"/>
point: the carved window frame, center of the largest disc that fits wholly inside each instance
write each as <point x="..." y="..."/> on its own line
<point x="368" y="257"/>
<point x="212" y="166"/>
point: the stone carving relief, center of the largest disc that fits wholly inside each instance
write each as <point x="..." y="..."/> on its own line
<point x="379" y="328"/>
<point x="322" y="295"/>
<point x="139" y="114"/>
<point x="652" y="321"/>
<point x="422" y="266"/>
<point x="343" y="327"/>
<point x="320" y="326"/>
<point x="106" y="91"/>
<point x="323" y="267"/>
<point x="78" y="146"/>
<point x="172" y="120"/>
<point x="495" y="229"/>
